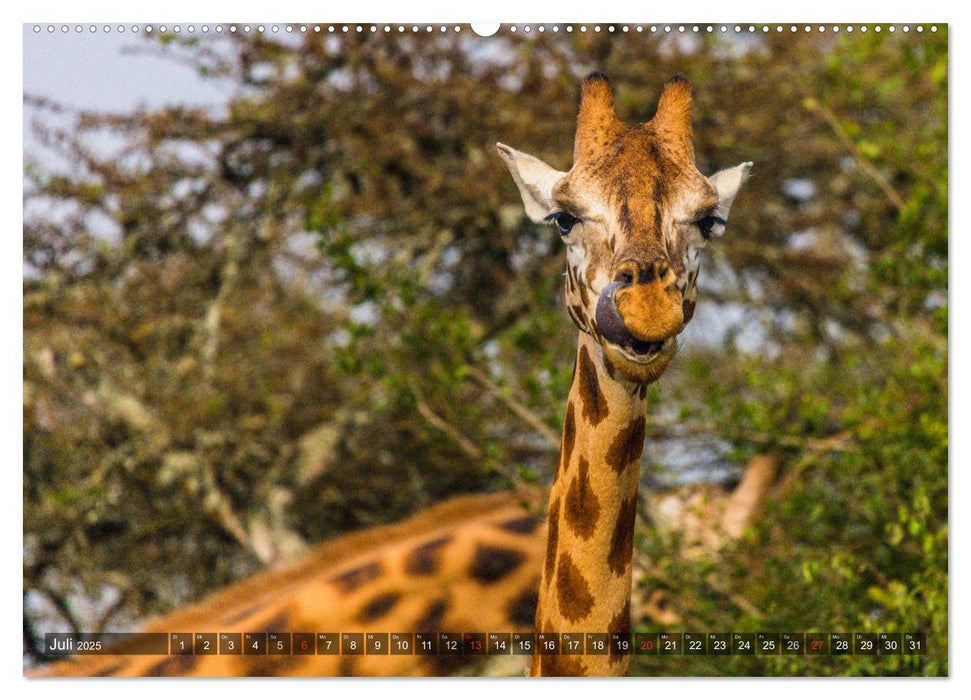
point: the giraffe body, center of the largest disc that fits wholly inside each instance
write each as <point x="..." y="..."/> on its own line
<point x="470" y="564"/>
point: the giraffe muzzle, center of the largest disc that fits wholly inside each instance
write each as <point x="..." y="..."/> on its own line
<point x="614" y="330"/>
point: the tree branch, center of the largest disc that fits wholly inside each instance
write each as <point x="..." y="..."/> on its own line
<point x="528" y="416"/>
<point x="881" y="181"/>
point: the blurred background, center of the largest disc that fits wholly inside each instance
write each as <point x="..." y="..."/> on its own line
<point x="281" y="287"/>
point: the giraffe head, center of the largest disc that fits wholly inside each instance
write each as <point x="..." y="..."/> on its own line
<point x="634" y="213"/>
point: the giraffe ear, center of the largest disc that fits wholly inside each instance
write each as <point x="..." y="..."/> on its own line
<point x="535" y="180"/>
<point x="727" y="183"/>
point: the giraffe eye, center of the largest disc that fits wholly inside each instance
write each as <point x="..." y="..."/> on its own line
<point x="563" y="222"/>
<point x="706" y="224"/>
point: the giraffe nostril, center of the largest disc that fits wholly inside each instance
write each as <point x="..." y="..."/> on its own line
<point x="625" y="277"/>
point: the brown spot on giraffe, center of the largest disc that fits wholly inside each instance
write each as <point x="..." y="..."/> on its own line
<point x="595" y="407"/>
<point x="572" y="590"/>
<point x="622" y="540"/>
<point x="569" y="436"/>
<point x="627" y="446"/>
<point x="426" y="558"/>
<point x="522" y="609"/>
<point x="584" y="296"/>
<point x="490" y="564"/>
<point x="582" y="507"/>
<point x="378" y="606"/>
<point x="431" y="619"/>
<point x="277" y="623"/>
<point x="525" y="525"/>
<point x="352" y="579"/>
<point x="620" y="624"/>
<point x="552" y="538"/>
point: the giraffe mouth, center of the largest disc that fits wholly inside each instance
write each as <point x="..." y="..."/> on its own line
<point x="615" y="332"/>
<point x="640" y="351"/>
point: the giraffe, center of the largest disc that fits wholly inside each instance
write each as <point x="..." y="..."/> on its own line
<point x="634" y="214"/>
<point x="469" y="564"/>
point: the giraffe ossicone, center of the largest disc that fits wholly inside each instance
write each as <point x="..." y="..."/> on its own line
<point x="634" y="214"/>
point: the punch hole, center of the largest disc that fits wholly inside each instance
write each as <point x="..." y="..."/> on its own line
<point x="485" y="28"/>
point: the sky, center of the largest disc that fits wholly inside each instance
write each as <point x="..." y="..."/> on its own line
<point x="107" y="71"/>
<point x="95" y="71"/>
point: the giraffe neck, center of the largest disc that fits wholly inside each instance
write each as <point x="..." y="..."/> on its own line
<point x="586" y="580"/>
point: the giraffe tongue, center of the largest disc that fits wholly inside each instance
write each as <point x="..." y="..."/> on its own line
<point x="612" y="326"/>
